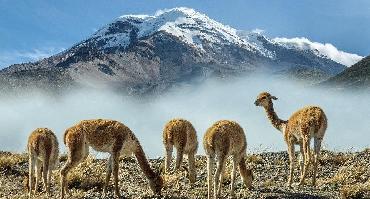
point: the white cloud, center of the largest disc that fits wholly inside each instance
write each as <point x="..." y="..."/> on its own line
<point x="326" y="49"/>
<point x="8" y="58"/>
<point x="203" y="104"/>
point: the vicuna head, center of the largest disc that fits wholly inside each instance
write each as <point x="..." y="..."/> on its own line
<point x="248" y="179"/>
<point x="264" y="99"/>
<point x="156" y="184"/>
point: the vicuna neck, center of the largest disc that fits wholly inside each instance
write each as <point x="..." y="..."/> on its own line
<point x="144" y="164"/>
<point x="274" y="119"/>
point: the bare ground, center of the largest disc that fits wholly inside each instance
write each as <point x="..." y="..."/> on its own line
<point x="340" y="175"/>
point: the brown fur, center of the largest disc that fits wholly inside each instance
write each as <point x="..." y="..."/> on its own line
<point x="306" y="123"/>
<point x="181" y="134"/>
<point x="43" y="152"/>
<point x="223" y="139"/>
<point x="106" y="136"/>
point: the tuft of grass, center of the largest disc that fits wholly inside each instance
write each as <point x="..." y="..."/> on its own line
<point x="334" y="159"/>
<point x="171" y="180"/>
<point x="349" y="175"/>
<point x="9" y="161"/>
<point x="352" y="180"/>
<point x="279" y="162"/>
<point x="356" y="191"/>
<point x="87" y="175"/>
<point x="269" y="183"/>
<point x="255" y="159"/>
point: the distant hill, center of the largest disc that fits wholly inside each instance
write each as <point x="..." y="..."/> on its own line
<point x="354" y="77"/>
<point x="149" y="54"/>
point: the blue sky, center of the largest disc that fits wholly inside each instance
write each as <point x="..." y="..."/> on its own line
<point x="38" y="28"/>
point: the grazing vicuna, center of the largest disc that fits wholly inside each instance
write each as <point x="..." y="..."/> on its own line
<point x="181" y="134"/>
<point x="43" y="152"/>
<point x="106" y="136"/>
<point x="223" y="139"/>
<point x="306" y="123"/>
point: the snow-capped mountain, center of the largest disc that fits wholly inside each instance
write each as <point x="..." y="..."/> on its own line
<point x="191" y="27"/>
<point x="142" y="53"/>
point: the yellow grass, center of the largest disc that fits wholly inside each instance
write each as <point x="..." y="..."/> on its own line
<point x="8" y="160"/>
<point x="359" y="190"/>
<point x="85" y="176"/>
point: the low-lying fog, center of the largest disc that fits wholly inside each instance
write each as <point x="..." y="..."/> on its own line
<point x="348" y="115"/>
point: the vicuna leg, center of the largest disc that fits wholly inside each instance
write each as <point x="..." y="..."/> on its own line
<point x="63" y="175"/>
<point x="306" y="148"/>
<point x="236" y="160"/>
<point x="31" y="174"/>
<point x="210" y="165"/>
<point x="291" y="162"/>
<point x="109" y="173"/>
<point x="179" y="156"/>
<point x="301" y="159"/>
<point x="169" y="149"/>
<point x="317" y="146"/>
<point x="45" y="170"/>
<point x="48" y="180"/>
<point x="192" y="169"/>
<point x="75" y="156"/>
<point x="220" y="167"/>
<point x="115" y="159"/>
<point x="221" y="181"/>
<point x="38" y="173"/>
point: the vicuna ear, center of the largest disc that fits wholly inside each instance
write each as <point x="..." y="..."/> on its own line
<point x="274" y="98"/>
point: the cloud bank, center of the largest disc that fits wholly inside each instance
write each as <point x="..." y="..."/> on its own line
<point x="348" y="115"/>
<point x="326" y="49"/>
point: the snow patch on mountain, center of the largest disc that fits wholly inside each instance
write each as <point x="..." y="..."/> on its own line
<point x="192" y="27"/>
<point x="255" y="38"/>
<point x="326" y="49"/>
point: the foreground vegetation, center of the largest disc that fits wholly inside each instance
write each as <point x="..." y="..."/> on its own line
<point x="341" y="175"/>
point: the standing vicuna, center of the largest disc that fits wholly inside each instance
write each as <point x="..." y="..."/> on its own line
<point x="181" y="134"/>
<point x="43" y="152"/>
<point x="223" y="139"/>
<point x="106" y="136"/>
<point x="306" y="123"/>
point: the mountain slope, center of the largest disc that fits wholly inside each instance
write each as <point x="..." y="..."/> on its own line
<point x="354" y="77"/>
<point x="141" y="54"/>
<point x="302" y="63"/>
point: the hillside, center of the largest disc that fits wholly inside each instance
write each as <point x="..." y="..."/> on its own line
<point x="149" y="54"/>
<point x="354" y="77"/>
